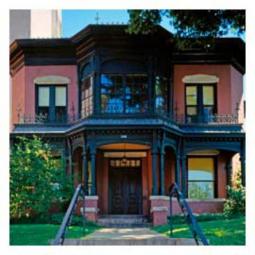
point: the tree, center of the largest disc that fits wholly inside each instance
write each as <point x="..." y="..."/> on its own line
<point x="189" y="23"/>
<point x="37" y="179"/>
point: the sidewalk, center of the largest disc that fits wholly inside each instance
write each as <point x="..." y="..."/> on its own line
<point x="128" y="236"/>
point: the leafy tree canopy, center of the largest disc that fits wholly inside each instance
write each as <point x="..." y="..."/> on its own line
<point x="37" y="179"/>
<point x="190" y="23"/>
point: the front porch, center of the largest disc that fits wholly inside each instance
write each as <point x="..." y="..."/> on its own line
<point x="132" y="174"/>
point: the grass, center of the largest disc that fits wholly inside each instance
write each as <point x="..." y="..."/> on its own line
<point x="218" y="232"/>
<point x="41" y="234"/>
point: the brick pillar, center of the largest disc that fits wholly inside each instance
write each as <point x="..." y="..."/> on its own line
<point x="91" y="208"/>
<point x="159" y="209"/>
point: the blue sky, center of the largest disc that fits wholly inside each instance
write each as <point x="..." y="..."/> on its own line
<point x="75" y="20"/>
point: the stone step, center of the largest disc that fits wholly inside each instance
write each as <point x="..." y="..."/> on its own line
<point x="123" y="221"/>
<point x="155" y="241"/>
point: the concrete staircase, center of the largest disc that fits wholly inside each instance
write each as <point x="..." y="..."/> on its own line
<point x="123" y="221"/>
<point x="128" y="236"/>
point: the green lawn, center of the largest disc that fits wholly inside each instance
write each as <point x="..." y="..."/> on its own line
<point x="41" y="234"/>
<point x="218" y="232"/>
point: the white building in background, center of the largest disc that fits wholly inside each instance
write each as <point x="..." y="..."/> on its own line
<point x="35" y="24"/>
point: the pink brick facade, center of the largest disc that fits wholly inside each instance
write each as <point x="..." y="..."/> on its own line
<point x="23" y="88"/>
<point x="230" y="83"/>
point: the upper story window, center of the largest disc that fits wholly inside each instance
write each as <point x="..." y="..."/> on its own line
<point x="200" y="101"/>
<point x="161" y="94"/>
<point x="87" y="97"/>
<point x="124" y="93"/>
<point x="86" y="91"/>
<point x="201" y="177"/>
<point x="51" y="102"/>
<point x="200" y="97"/>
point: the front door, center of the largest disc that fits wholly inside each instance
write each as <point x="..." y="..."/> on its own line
<point x="125" y="190"/>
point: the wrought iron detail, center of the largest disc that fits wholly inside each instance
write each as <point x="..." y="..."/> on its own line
<point x="67" y="220"/>
<point x="224" y="119"/>
<point x="176" y="120"/>
<point x="195" y="229"/>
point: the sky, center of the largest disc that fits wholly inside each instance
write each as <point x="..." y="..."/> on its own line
<point x="75" y="20"/>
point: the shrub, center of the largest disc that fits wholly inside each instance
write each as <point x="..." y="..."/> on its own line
<point x="235" y="204"/>
<point x="37" y="179"/>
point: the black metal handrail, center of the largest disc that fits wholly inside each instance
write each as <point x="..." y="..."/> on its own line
<point x="195" y="229"/>
<point x="60" y="237"/>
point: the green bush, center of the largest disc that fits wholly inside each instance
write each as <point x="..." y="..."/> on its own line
<point x="235" y="204"/>
<point x="37" y="179"/>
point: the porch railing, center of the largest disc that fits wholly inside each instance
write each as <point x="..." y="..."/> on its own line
<point x="195" y="229"/>
<point x="45" y="119"/>
<point x="181" y="119"/>
<point x="210" y="119"/>
<point x="67" y="220"/>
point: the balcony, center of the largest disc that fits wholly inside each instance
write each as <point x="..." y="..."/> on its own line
<point x="182" y="121"/>
<point x="215" y="119"/>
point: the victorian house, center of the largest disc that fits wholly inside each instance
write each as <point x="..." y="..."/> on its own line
<point x="131" y="114"/>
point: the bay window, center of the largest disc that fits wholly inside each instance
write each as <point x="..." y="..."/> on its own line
<point x="161" y="94"/>
<point x="124" y="93"/>
<point x="87" y="97"/>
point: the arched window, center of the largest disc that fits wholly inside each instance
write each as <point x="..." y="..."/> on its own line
<point x="51" y="98"/>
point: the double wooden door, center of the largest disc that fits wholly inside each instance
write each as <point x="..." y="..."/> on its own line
<point x="125" y="190"/>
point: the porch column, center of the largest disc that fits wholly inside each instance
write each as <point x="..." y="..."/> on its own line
<point x="69" y="153"/>
<point x="184" y="175"/>
<point x="154" y="156"/>
<point x="177" y="170"/>
<point x="229" y="172"/>
<point x="93" y="171"/>
<point x="162" y="172"/>
<point x="85" y="168"/>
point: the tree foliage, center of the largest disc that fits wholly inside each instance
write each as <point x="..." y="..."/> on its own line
<point x="37" y="179"/>
<point x="189" y="23"/>
<point x="235" y="204"/>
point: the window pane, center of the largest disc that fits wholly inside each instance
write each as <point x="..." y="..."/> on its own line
<point x="201" y="169"/>
<point x="112" y="93"/>
<point x="161" y="93"/>
<point x="60" y="96"/>
<point x="208" y="95"/>
<point x="43" y="96"/>
<point x="136" y="93"/>
<point x="201" y="190"/>
<point x="191" y="111"/>
<point x="87" y="97"/>
<point x="208" y="110"/>
<point x="191" y="95"/>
